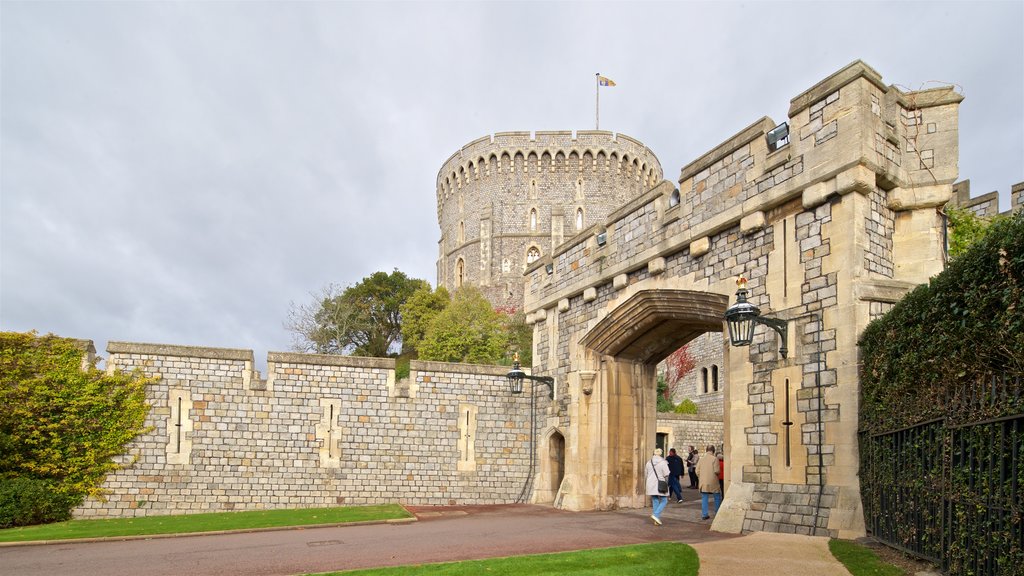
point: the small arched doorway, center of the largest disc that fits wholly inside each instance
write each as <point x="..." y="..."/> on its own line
<point x="552" y="468"/>
<point x="556" y="460"/>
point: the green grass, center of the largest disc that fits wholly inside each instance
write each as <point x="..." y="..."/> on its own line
<point x="663" y="558"/>
<point x="860" y="560"/>
<point x="150" y="525"/>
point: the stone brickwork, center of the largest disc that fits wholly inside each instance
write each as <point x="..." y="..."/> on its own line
<point x="686" y="430"/>
<point x="506" y="199"/>
<point x="830" y="228"/>
<point x="790" y="509"/>
<point x="258" y="444"/>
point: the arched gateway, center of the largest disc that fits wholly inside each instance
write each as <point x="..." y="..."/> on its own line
<point x="832" y="216"/>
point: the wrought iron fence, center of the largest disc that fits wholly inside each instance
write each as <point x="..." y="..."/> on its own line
<point x="950" y="490"/>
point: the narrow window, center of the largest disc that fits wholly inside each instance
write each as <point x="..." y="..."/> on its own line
<point x="462" y="232"/>
<point x="714" y="378"/>
<point x="533" y="219"/>
<point x="579" y="219"/>
<point x="460" y="272"/>
<point x="704" y="379"/>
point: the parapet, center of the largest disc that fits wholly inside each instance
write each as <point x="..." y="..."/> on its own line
<point x="986" y="205"/>
<point x="547" y="148"/>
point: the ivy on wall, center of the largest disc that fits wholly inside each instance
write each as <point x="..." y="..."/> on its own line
<point x="61" y="426"/>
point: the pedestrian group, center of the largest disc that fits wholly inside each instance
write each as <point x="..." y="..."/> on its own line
<point x="705" y="473"/>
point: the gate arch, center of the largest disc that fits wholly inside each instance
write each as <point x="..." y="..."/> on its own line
<point x="617" y="419"/>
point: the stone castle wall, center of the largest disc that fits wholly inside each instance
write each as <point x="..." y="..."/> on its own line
<point x="319" y="431"/>
<point x="501" y="196"/>
<point x="986" y="205"/>
<point x="830" y="228"/>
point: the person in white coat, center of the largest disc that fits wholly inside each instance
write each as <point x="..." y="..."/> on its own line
<point x="657" y="469"/>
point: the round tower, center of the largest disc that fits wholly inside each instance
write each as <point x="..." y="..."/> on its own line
<point x="508" y="200"/>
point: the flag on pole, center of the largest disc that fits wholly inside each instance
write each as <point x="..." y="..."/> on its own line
<point x="602" y="81"/>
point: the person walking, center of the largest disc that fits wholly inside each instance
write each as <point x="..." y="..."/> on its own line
<point x="657" y="470"/>
<point x="707" y="481"/>
<point x="675" y="470"/>
<point x="691" y="466"/>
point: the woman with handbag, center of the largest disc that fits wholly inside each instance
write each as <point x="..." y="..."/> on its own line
<point x="657" y="484"/>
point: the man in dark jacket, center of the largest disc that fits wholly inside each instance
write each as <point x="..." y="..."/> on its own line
<point x="675" y="470"/>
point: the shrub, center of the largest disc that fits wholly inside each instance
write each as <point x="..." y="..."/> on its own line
<point x="27" y="501"/>
<point x="687" y="406"/>
<point x="62" y="424"/>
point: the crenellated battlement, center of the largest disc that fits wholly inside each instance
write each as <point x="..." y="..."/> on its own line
<point x="556" y="151"/>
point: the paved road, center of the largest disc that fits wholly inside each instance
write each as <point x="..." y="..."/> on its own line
<point x="440" y="535"/>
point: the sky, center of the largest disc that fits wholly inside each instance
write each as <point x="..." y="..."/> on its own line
<point x="182" y="172"/>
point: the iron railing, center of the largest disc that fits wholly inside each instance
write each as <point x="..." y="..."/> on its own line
<point x="950" y="491"/>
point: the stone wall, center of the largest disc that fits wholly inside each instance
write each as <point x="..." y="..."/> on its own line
<point x="685" y="430"/>
<point x="986" y="205"/>
<point x="319" y="431"/>
<point x="501" y="196"/>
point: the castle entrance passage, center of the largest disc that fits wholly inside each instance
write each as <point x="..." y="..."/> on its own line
<point x="615" y="423"/>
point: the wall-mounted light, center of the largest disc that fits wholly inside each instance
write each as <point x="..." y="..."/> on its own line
<point x="743" y="316"/>
<point x="777" y="137"/>
<point x="516" y="377"/>
<point x="549" y="268"/>
<point x="602" y="238"/>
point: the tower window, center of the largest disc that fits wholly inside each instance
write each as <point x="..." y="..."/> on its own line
<point x="532" y="255"/>
<point x="579" y="219"/>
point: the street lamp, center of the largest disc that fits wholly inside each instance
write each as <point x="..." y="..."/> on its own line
<point x="743" y="316"/>
<point x="516" y="377"/>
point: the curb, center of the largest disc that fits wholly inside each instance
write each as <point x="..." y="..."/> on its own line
<point x="209" y="533"/>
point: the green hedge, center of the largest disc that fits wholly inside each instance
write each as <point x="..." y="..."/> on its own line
<point x="963" y="327"/>
<point x="942" y="391"/>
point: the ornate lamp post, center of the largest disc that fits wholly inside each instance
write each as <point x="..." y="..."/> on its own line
<point x="743" y="316"/>
<point x="516" y="377"/>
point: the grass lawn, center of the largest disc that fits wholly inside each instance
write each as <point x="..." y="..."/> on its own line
<point x="201" y="523"/>
<point x="661" y="558"/>
<point x="860" y="560"/>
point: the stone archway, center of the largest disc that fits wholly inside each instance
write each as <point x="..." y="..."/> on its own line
<point x="614" y="423"/>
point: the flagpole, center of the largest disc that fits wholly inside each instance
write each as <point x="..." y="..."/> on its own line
<point x="597" y="101"/>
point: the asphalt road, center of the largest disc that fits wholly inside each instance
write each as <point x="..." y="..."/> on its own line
<point x="441" y="534"/>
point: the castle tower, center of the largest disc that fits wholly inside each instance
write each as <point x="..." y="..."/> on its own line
<point x="506" y="202"/>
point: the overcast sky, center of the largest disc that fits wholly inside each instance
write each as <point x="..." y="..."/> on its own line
<point x="180" y="172"/>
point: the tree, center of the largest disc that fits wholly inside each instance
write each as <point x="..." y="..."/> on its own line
<point x="467" y="330"/>
<point x="61" y="426"/>
<point x="966" y="228"/>
<point x="418" y="312"/>
<point x="520" y="337"/>
<point x="364" y="319"/>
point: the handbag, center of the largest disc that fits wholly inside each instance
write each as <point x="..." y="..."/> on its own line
<point x="662" y="484"/>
